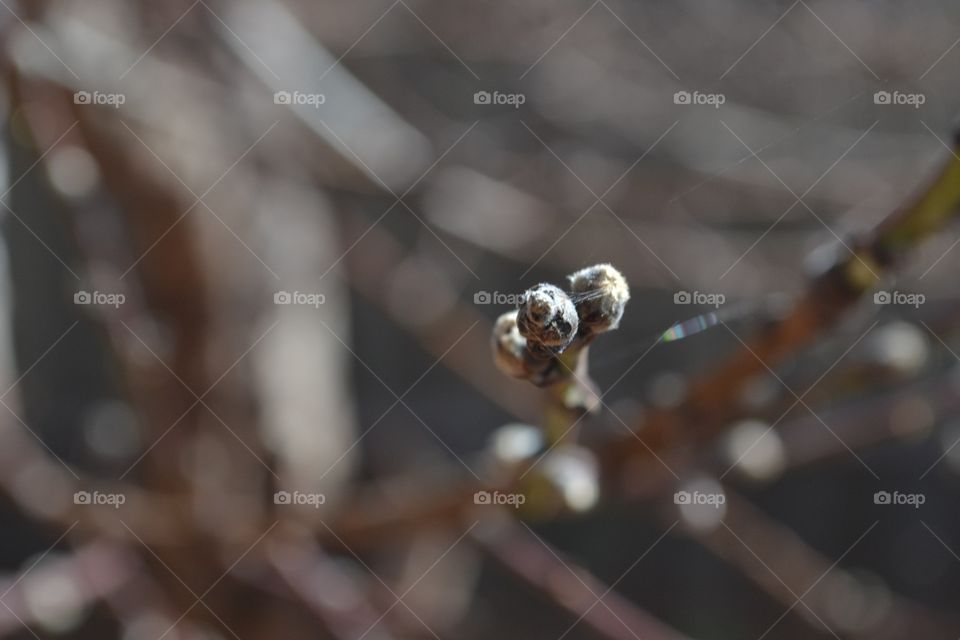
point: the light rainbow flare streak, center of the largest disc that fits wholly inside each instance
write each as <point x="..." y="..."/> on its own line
<point x="687" y="328"/>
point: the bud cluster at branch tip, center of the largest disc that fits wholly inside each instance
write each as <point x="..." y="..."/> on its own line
<point x="528" y="341"/>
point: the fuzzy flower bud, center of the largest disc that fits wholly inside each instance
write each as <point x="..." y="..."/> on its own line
<point x="547" y="318"/>
<point x="601" y="294"/>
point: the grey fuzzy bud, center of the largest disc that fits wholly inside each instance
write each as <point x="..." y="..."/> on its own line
<point x="601" y="295"/>
<point x="547" y="318"/>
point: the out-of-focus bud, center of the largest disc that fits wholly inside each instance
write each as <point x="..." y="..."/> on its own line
<point x="756" y="450"/>
<point x="601" y="294"/>
<point x="509" y="347"/>
<point x="513" y="443"/>
<point x="574" y="475"/>
<point x="901" y="346"/>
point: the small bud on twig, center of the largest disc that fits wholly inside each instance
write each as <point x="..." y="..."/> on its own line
<point x="546" y="338"/>
<point x="547" y="318"/>
<point x="601" y="294"/>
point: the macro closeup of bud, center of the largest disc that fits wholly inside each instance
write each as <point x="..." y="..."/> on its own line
<point x="544" y="339"/>
<point x="547" y="318"/>
<point x="601" y="294"/>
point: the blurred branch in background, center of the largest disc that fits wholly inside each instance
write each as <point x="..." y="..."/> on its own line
<point x="246" y="242"/>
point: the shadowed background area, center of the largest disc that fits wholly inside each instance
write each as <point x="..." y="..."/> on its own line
<point x="253" y="252"/>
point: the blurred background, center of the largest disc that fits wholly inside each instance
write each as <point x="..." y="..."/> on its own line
<point x="253" y="252"/>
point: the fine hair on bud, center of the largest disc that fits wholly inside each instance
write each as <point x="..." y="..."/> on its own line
<point x="601" y="294"/>
<point x="547" y="318"/>
<point x="509" y="347"/>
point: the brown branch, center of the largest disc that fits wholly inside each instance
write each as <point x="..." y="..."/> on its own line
<point x="714" y="399"/>
<point x="570" y="586"/>
<point x="786" y="568"/>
